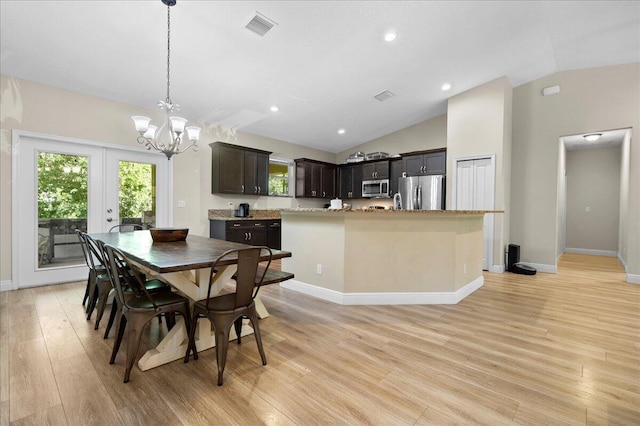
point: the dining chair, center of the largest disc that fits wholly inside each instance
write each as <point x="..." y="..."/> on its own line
<point x="152" y="286"/>
<point x="229" y="309"/>
<point x="126" y="227"/>
<point x="98" y="284"/>
<point x="94" y="269"/>
<point x="138" y="310"/>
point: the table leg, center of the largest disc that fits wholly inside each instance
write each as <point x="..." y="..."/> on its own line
<point x="174" y="345"/>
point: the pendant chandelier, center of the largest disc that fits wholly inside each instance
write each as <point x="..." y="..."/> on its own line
<point x="169" y="137"/>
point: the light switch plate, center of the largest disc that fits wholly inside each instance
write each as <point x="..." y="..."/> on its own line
<point x="182" y="204"/>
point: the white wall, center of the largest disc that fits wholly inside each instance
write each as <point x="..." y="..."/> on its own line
<point x="625" y="160"/>
<point x="593" y="183"/>
<point x="34" y="107"/>
<point x="429" y="134"/>
<point x="479" y="124"/>
<point x="590" y="100"/>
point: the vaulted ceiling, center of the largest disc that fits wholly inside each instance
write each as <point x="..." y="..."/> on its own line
<point x="322" y="63"/>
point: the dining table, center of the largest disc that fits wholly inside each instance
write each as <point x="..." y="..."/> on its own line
<point x="186" y="266"/>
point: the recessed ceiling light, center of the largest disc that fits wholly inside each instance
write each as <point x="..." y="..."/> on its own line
<point x="341" y="131"/>
<point x="390" y="36"/>
<point x="275" y="108"/>
<point x="446" y="86"/>
<point x="592" y="137"/>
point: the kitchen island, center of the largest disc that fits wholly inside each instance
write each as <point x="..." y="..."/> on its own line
<point x="378" y="257"/>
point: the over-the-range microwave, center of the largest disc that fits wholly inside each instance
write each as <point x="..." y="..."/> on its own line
<point x="378" y="188"/>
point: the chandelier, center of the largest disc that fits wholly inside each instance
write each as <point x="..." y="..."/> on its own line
<point x="168" y="139"/>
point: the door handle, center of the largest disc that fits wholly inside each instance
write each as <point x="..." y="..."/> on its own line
<point x="109" y="211"/>
<point x="109" y="219"/>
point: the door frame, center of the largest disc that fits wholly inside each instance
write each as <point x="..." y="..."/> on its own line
<point x="16" y="138"/>
<point x="491" y="222"/>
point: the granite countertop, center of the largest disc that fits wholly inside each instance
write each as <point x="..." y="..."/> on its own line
<point x="390" y="211"/>
<point x="225" y="214"/>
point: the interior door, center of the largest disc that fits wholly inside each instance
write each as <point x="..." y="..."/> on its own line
<point x="475" y="191"/>
<point x="61" y="185"/>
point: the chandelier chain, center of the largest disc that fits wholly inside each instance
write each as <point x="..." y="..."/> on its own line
<point x="168" y="53"/>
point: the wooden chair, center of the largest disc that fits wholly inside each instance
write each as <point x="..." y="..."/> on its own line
<point x="138" y="310"/>
<point x="228" y="309"/>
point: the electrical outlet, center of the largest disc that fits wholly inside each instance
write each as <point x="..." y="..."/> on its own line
<point x="182" y="204"/>
<point x="319" y="269"/>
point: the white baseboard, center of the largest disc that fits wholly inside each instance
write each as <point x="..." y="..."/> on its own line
<point x="6" y="285"/>
<point x="541" y="267"/>
<point x="633" y="278"/>
<point x="622" y="262"/>
<point x="414" y="298"/>
<point x="609" y="253"/>
<point x="497" y="269"/>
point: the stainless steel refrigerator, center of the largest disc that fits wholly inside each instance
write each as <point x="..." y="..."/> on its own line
<point x="421" y="193"/>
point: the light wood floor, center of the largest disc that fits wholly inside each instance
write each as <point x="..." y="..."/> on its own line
<point x="542" y="350"/>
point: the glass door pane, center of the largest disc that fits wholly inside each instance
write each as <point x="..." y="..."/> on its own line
<point x="62" y="183"/>
<point x="136" y="194"/>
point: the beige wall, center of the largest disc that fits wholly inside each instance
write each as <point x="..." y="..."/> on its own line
<point x="430" y="134"/>
<point x="590" y="100"/>
<point x="34" y="107"/>
<point x="478" y="124"/>
<point x="625" y="160"/>
<point x="593" y="181"/>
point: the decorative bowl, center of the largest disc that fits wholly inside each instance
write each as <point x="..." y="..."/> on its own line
<point x="166" y="235"/>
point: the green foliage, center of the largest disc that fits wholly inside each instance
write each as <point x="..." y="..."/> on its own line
<point x="137" y="187"/>
<point x="62" y="187"/>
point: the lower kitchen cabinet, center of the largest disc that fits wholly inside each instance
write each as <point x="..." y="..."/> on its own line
<point x="247" y="231"/>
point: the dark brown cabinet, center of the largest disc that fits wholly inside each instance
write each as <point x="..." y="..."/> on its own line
<point x="253" y="232"/>
<point x="315" y="179"/>
<point x="239" y="170"/>
<point x="375" y="170"/>
<point x="395" y="172"/>
<point x="350" y="181"/>
<point x="427" y="163"/>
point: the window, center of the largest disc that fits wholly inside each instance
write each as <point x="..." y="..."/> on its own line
<point x="280" y="173"/>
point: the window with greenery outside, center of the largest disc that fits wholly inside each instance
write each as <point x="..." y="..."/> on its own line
<point x="278" y="178"/>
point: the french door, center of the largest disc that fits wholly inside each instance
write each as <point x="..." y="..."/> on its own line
<point x="60" y="185"/>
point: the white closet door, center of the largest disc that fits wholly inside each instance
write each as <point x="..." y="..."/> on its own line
<point x="475" y="191"/>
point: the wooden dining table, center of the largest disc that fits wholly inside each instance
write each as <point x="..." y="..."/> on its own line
<point x="185" y="265"/>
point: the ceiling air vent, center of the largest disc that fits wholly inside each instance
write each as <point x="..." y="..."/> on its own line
<point x="260" y="24"/>
<point x="383" y="96"/>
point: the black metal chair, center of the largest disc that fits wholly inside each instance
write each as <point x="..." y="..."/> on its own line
<point x="139" y="309"/>
<point x="95" y="268"/>
<point x="126" y="227"/>
<point x="229" y="309"/>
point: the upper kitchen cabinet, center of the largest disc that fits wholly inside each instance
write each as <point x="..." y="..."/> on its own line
<point x="350" y="181"/>
<point x="238" y="170"/>
<point x="315" y="179"/>
<point x="432" y="162"/>
<point x="376" y="170"/>
<point x="395" y="172"/>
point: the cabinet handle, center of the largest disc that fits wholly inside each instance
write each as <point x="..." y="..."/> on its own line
<point x="259" y="190"/>
<point x="242" y="188"/>
<point x="245" y="236"/>
<point x="249" y="236"/>
<point x="324" y="194"/>
<point x="236" y="225"/>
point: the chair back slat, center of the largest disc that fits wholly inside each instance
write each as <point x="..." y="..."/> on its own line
<point x="246" y="284"/>
<point x="122" y="275"/>
<point x="94" y="253"/>
<point x="83" y="246"/>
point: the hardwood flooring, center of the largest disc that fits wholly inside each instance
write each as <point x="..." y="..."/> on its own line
<point x="541" y="350"/>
